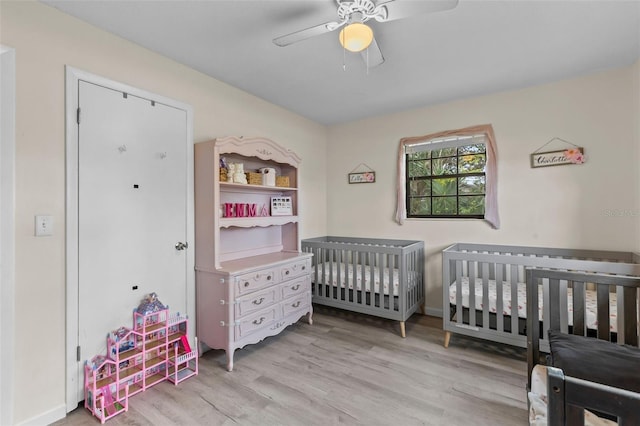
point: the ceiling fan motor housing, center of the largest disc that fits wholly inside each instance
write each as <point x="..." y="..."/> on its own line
<point x="360" y="11"/>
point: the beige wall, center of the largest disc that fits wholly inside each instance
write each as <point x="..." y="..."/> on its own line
<point x="45" y="41"/>
<point x="566" y="206"/>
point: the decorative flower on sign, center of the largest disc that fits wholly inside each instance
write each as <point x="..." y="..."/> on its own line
<point x="574" y="156"/>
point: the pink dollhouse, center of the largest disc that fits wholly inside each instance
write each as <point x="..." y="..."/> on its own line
<point x="156" y="349"/>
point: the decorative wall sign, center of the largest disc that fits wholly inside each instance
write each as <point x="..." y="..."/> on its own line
<point x="281" y="206"/>
<point x="574" y="155"/>
<point x="362" y="177"/>
<point x="557" y="158"/>
<point x="366" y="176"/>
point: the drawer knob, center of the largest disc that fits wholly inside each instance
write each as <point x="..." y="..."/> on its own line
<point x="295" y="287"/>
<point x="246" y="283"/>
<point x="287" y="272"/>
<point x="258" y="302"/>
<point x="295" y="305"/>
<point x="258" y="322"/>
<point x="268" y="277"/>
<point x="304" y="267"/>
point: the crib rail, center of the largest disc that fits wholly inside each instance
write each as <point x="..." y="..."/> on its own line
<point x="380" y="277"/>
<point x="504" y="267"/>
<point x="555" y="317"/>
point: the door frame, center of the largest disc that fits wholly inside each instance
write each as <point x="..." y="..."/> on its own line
<point x="73" y="76"/>
<point x="7" y="229"/>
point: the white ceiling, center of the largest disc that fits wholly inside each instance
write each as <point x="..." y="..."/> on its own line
<point x="479" y="47"/>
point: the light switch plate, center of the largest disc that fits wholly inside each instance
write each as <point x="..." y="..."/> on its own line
<point x="44" y="225"/>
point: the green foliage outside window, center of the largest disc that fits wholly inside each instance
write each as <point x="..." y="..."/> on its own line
<point x="448" y="182"/>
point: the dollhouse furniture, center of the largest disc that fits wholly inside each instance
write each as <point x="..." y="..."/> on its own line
<point x="379" y="277"/>
<point x="154" y="350"/>
<point x="252" y="280"/>
<point x="484" y="286"/>
<point x="587" y="375"/>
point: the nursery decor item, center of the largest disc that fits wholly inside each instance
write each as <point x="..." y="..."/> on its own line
<point x="573" y="155"/>
<point x="154" y="350"/>
<point x="281" y="206"/>
<point x="268" y="176"/>
<point x="254" y="178"/>
<point x="366" y="176"/>
<point x="282" y="181"/>
<point x="239" y="176"/>
<point x="231" y="172"/>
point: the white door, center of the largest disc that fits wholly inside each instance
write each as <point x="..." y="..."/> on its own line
<point x="132" y="211"/>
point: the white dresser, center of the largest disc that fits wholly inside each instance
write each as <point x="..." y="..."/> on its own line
<point x="246" y="302"/>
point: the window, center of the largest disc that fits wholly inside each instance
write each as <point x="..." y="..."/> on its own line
<point x="446" y="179"/>
<point x="450" y="174"/>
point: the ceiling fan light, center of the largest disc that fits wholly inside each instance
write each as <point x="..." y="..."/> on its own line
<point x="356" y="37"/>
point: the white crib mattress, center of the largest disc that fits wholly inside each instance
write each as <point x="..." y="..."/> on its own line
<point x="347" y="277"/>
<point x="591" y="301"/>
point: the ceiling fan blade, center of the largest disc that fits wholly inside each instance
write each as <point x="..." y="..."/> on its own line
<point x="297" y="36"/>
<point x="398" y="9"/>
<point x="372" y="55"/>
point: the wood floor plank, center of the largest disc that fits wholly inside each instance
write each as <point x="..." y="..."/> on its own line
<point x="346" y="368"/>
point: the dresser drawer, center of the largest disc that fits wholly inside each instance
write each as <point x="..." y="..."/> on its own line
<point x="256" y="322"/>
<point x="256" y="301"/>
<point x="296" y="286"/>
<point x="295" y="304"/>
<point x="295" y="269"/>
<point x="254" y="281"/>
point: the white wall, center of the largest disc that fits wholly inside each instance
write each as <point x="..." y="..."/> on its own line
<point x="45" y="41"/>
<point x="566" y="206"/>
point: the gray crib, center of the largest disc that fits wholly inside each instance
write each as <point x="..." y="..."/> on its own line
<point x="481" y="283"/>
<point x="379" y="277"/>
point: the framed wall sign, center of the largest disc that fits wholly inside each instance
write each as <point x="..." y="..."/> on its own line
<point x="281" y="206"/>
<point x="362" y="177"/>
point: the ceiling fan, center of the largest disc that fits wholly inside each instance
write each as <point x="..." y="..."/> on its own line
<point x="356" y="36"/>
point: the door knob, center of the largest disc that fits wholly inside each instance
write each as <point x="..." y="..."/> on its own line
<point x="181" y="246"/>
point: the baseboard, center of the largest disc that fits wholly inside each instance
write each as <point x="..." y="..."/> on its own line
<point x="46" y="418"/>
<point x="434" y="312"/>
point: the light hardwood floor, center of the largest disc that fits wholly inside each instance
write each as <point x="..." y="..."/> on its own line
<point x="346" y="368"/>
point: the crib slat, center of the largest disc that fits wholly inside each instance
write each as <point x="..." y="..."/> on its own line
<point x="603" y="311"/>
<point x="459" y="309"/>
<point x="545" y="309"/>
<point x="578" y="308"/>
<point x="323" y="280"/>
<point x="391" y="266"/>
<point x="472" y="293"/>
<point x="379" y="267"/>
<point x="630" y="314"/>
<point x="515" y="314"/>
<point x="485" y="295"/>
<point x="499" y="298"/>
<point x="554" y="302"/>
<point x="372" y="279"/>
<point x="564" y="307"/>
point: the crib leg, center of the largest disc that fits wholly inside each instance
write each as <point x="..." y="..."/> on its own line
<point x="402" y="331"/>
<point x="422" y="311"/>
<point x="447" y="337"/>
